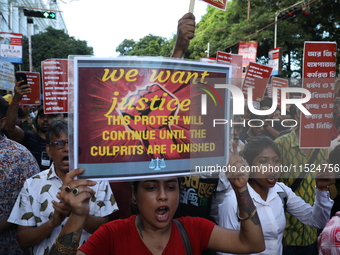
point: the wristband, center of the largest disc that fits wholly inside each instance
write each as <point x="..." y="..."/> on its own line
<point x="249" y="216"/>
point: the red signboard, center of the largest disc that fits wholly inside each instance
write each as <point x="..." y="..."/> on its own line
<point x="257" y="77"/>
<point x="219" y="4"/>
<point x="55" y="85"/>
<point x="144" y="116"/>
<point x="319" y="72"/>
<point x="235" y="61"/>
<point x="277" y="83"/>
<point x="33" y="98"/>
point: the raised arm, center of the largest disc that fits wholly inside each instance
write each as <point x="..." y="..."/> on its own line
<point x="15" y="132"/>
<point x="250" y="238"/>
<point x="185" y="32"/>
<point x="68" y="240"/>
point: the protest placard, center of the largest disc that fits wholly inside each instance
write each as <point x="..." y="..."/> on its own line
<point x="278" y="83"/>
<point x="219" y="4"/>
<point x="257" y="77"/>
<point x="319" y="73"/>
<point x="7" y="79"/>
<point x="33" y="80"/>
<point x="55" y="85"/>
<point x="235" y="61"/>
<point x="138" y="117"/>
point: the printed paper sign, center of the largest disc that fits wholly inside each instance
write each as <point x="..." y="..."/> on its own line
<point x="219" y="4"/>
<point x="235" y="61"/>
<point x="249" y="51"/>
<point x="142" y="117"/>
<point x="33" y="98"/>
<point x="55" y="85"/>
<point x="274" y="60"/>
<point x="319" y="73"/>
<point x="11" y="47"/>
<point x="7" y="79"/>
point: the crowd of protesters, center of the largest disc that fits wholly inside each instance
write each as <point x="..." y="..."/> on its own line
<point x="45" y="210"/>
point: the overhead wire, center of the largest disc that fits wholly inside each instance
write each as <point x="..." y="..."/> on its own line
<point x="258" y="31"/>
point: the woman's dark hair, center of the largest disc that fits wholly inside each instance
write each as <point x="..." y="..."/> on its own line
<point x="256" y="145"/>
<point x="56" y="127"/>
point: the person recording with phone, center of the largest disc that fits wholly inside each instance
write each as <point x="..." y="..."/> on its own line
<point x="34" y="142"/>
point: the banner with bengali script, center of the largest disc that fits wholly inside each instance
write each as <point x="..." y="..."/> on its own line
<point x="319" y="73"/>
<point x="33" y="98"/>
<point x="219" y="4"/>
<point x="55" y="85"/>
<point x="278" y="83"/>
<point x="235" y="61"/>
<point x="256" y="78"/>
<point x="139" y="117"/>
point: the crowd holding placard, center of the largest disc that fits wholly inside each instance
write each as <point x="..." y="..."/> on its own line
<point x="45" y="209"/>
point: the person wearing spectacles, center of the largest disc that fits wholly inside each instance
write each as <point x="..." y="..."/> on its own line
<point x="39" y="213"/>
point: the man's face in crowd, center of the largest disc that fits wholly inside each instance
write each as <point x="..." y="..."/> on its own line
<point x="58" y="151"/>
<point x="44" y="121"/>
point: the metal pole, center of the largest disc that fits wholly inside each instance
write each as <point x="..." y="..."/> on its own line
<point x="248" y="14"/>
<point x="29" y="47"/>
<point x="10" y="16"/>
<point x="275" y="30"/>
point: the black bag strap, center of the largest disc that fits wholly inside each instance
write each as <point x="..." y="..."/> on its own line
<point x="297" y="181"/>
<point x="185" y="237"/>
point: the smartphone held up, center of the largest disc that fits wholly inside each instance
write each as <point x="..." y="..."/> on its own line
<point x="21" y="77"/>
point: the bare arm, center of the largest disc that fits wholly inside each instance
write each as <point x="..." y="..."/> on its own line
<point x="249" y="239"/>
<point x="14" y="132"/>
<point x="4" y="225"/>
<point x="29" y="236"/>
<point x="92" y="223"/>
<point x="68" y="240"/>
<point x="185" y="32"/>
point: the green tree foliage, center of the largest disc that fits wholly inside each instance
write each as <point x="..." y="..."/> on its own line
<point x="223" y="30"/>
<point x="149" y="45"/>
<point x="53" y="43"/>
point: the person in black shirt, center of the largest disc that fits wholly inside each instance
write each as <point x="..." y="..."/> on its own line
<point x="34" y="142"/>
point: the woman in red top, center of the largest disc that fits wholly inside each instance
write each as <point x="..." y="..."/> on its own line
<point x="153" y="230"/>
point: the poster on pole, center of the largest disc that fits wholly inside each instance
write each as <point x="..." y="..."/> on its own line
<point x="55" y="85"/>
<point x="33" y="98"/>
<point x="235" y="61"/>
<point x="319" y="73"/>
<point x="7" y="79"/>
<point x="274" y="61"/>
<point x="257" y="77"/>
<point x="144" y="117"/>
<point x="219" y="4"/>
<point x="11" y="47"/>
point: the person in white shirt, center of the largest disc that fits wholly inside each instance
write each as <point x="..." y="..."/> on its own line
<point x="38" y="211"/>
<point x="261" y="152"/>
